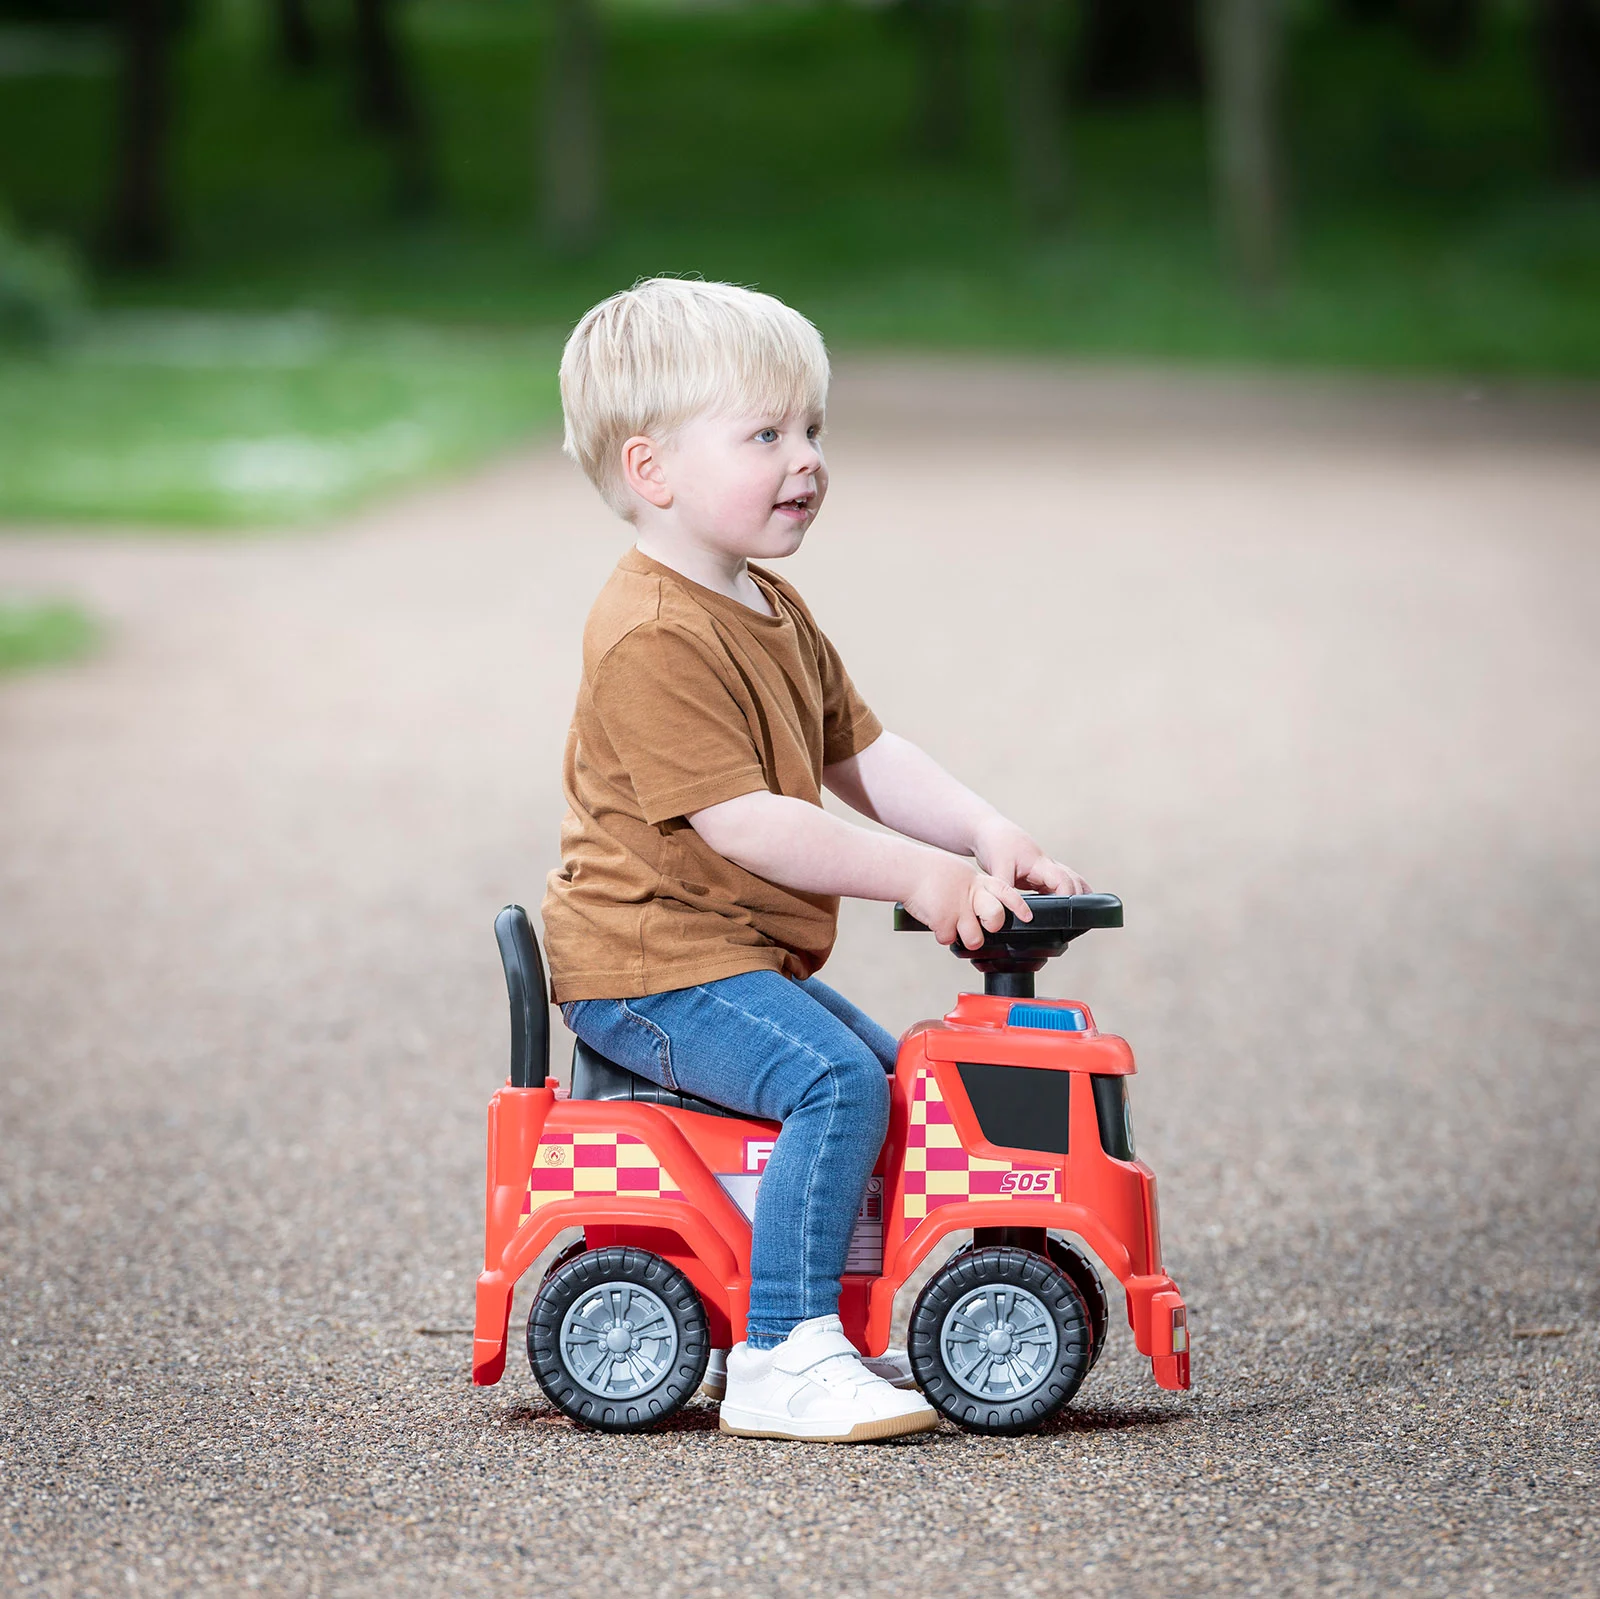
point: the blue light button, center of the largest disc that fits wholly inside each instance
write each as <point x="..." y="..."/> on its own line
<point x="1048" y="1018"/>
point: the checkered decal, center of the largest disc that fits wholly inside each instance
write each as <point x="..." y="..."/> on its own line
<point x="938" y="1171"/>
<point x="568" y="1164"/>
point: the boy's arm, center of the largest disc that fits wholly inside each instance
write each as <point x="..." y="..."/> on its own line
<point x="801" y="846"/>
<point x="901" y="786"/>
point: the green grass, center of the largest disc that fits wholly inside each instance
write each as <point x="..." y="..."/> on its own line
<point x="35" y="635"/>
<point x="768" y="145"/>
<point x="229" y="420"/>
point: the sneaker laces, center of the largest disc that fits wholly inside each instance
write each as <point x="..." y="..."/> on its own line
<point x="842" y="1373"/>
<point x="835" y="1362"/>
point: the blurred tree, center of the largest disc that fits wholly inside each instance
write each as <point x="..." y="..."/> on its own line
<point x="71" y="13"/>
<point x="387" y="103"/>
<point x="1244" y="61"/>
<point x="1568" y="41"/>
<point x="571" y="164"/>
<point x="138" y="230"/>
<point x="1034" y="103"/>
<point x="1444" y="28"/>
<point x="1136" y="49"/>
<point x="296" y="36"/>
<point x="944" y="39"/>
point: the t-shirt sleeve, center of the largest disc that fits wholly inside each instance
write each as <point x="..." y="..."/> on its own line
<point x="848" y="724"/>
<point x="666" y="706"/>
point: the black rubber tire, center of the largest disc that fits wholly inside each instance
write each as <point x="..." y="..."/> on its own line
<point x="571" y="1252"/>
<point x="582" y="1275"/>
<point x="1080" y="1269"/>
<point x="963" y="1274"/>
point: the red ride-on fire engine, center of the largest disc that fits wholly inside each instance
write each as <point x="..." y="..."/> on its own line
<point x="1008" y="1120"/>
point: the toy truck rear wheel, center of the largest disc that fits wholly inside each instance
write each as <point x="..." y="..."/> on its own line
<point x="618" y="1339"/>
<point x="1000" y="1339"/>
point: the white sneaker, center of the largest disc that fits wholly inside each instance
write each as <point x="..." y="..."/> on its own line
<point x="814" y="1386"/>
<point x="893" y="1365"/>
<point x="715" y="1382"/>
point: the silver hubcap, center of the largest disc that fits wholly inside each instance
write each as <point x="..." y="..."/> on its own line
<point x="999" y="1343"/>
<point x="618" y="1340"/>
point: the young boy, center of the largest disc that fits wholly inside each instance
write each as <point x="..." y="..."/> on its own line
<point x="700" y="877"/>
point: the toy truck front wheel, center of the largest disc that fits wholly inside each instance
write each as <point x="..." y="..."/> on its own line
<point x="1070" y="1259"/>
<point x="618" y="1339"/>
<point x="1086" y="1280"/>
<point x="1000" y="1339"/>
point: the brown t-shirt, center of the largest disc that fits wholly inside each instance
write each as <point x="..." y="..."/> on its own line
<point x="689" y="698"/>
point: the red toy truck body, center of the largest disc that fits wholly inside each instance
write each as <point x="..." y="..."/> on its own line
<point x="1008" y="1119"/>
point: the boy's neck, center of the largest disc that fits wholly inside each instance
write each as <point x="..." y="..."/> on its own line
<point x="718" y="570"/>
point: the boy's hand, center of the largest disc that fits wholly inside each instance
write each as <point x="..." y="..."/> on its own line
<point x="956" y="902"/>
<point x="1006" y="852"/>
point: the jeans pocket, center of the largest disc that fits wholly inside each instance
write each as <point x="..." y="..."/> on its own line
<point x="658" y="1043"/>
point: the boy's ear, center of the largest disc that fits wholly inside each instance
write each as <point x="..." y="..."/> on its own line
<point x="641" y="468"/>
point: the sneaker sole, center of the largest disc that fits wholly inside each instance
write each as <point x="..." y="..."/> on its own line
<point x="718" y="1390"/>
<point x="862" y="1433"/>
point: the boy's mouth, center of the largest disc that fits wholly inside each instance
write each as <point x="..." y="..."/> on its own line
<point x="799" y="506"/>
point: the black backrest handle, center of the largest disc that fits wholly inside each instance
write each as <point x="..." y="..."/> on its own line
<point x="530" y="1015"/>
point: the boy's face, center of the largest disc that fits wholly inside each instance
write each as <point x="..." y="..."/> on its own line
<point x="749" y="485"/>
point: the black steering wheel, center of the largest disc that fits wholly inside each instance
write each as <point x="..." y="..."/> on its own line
<point x="1009" y="956"/>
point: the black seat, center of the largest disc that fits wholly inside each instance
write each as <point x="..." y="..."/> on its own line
<point x="595" y="1077"/>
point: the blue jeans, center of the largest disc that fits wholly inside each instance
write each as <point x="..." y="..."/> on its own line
<point x="784" y="1051"/>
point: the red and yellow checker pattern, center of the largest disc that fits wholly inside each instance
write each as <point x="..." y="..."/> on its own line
<point x="566" y="1165"/>
<point x="939" y="1171"/>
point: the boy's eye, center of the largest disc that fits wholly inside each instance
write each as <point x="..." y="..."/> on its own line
<point x="814" y="432"/>
<point x="767" y="436"/>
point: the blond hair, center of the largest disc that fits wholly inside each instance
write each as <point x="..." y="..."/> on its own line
<point x="650" y="358"/>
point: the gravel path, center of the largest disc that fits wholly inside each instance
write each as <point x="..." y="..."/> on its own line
<point x="1308" y="675"/>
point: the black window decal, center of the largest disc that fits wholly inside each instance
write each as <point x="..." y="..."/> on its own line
<point x="1019" y="1107"/>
